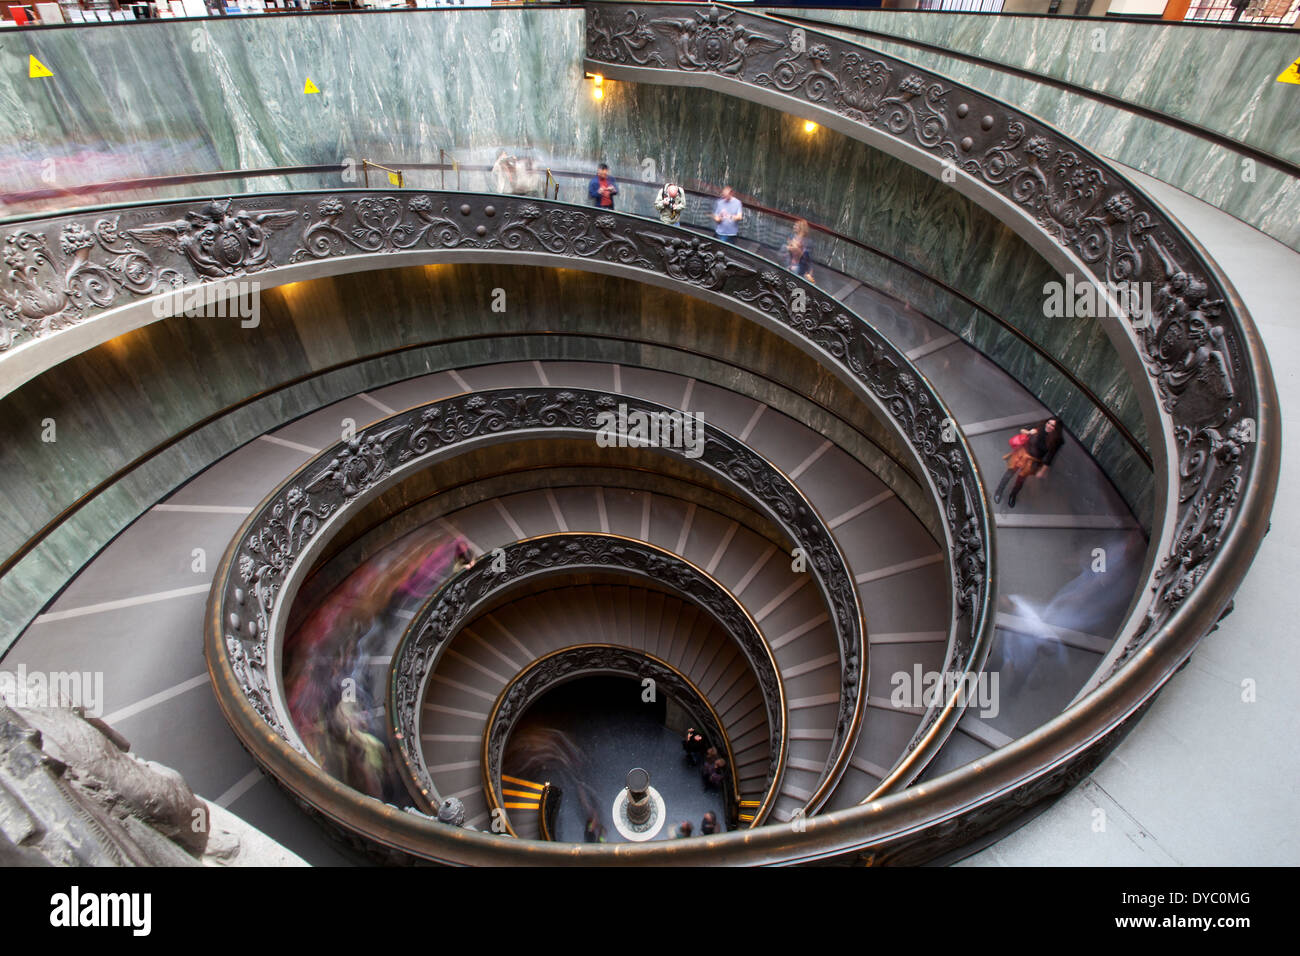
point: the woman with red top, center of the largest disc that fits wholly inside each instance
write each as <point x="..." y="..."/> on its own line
<point x="1031" y="452"/>
<point x="602" y="189"/>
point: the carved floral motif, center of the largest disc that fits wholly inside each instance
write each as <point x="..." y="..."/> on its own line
<point x="286" y="524"/>
<point x="61" y="271"/>
<point x="47" y="290"/>
<point x="1193" y="345"/>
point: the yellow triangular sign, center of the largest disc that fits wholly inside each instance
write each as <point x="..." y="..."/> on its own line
<point x="1291" y="74"/>
<point x="35" y="68"/>
<point x="310" y="87"/>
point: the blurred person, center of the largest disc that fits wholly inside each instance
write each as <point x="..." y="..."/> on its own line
<point x="503" y="172"/>
<point x="798" y="250"/>
<point x="544" y="753"/>
<point x="516" y="176"/>
<point x="693" y="745"/>
<point x="336" y="696"/>
<point x="365" y="769"/>
<point x="709" y="825"/>
<point x="682" y="830"/>
<point x="713" y="773"/>
<point x="464" y="557"/>
<point x="727" y="213"/>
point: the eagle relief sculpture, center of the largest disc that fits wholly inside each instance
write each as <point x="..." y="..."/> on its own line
<point x="218" y="241"/>
<point x="710" y="41"/>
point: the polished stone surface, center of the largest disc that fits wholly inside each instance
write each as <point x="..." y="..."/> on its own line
<point x="1223" y="79"/>
<point x="326" y="355"/>
<point x="1220" y="79"/>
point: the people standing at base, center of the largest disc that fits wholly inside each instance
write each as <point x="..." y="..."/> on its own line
<point x="693" y="745"/>
<point x="1031" y="453"/>
<point x="670" y="201"/>
<point x="709" y="825"/>
<point x="682" y="830"/>
<point x="713" y="772"/>
<point x="602" y="189"/>
<point x="798" y="250"/>
<point x="727" y="213"/>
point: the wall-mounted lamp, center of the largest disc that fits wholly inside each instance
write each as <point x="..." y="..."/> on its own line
<point x="809" y="126"/>
<point x="597" y="85"/>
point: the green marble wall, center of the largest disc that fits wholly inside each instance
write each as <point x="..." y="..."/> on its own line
<point x="1221" y="79"/>
<point x="159" y="97"/>
<point x="1224" y="80"/>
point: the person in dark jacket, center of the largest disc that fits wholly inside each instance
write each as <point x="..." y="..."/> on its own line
<point x="693" y="744"/>
<point x="1030" y="457"/>
<point x="713" y="772"/>
<point x="709" y="825"/>
<point x="602" y="189"/>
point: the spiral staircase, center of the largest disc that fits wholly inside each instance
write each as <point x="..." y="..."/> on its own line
<point x="833" y="540"/>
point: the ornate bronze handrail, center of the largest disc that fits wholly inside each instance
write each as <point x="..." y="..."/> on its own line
<point x="1228" y="479"/>
<point x="1221" y="489"/>
<point x="1208" y="387"/>
<point x="462" y="597"/>
<point x="273" y="550"/>
<point x="203" y="244"/>
<point x="249" y="240"/>
<point x="583" y="660"/>
<point x="1180" y="123"/>
<point x="1208" y="383"/>
<point x="136" y="185"/>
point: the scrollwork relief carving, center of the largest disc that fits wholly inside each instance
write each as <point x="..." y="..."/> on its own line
<point x="446" y="611"/>
<point x="209" y="241"/>
<point x="278" y="535"/>
<point x="1193" y="343"/>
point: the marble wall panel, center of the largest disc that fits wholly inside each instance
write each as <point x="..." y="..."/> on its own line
<point x="1224" y="80"/>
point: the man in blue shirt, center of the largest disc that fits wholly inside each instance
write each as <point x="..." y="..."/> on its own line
<point x="726" y="213"/>
<point x="602" y="189"/>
